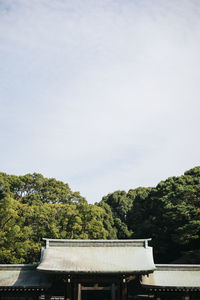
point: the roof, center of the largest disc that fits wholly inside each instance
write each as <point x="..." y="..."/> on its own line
<point x="22" y="276"/>
<point x="97" y="257"/>
<point x="173" y="277"/>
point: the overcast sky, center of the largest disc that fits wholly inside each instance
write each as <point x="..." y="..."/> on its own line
<point x="101" y="94"/>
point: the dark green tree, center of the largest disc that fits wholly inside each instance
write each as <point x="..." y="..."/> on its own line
<point x="119" y="205"/>
<point x="169" y="214"/>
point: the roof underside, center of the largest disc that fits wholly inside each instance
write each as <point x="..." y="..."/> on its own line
<point x="173" y="277"/>
<point x="97" y="257"/>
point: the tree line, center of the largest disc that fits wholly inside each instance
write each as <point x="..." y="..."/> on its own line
<point x="33" y="207"/>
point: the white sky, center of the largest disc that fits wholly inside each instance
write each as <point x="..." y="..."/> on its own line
<point x="102" y="94"/>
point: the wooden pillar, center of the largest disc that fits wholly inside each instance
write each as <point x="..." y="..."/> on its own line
<point x="124" y="289"/>
<point x="68" y="290"/>
<point x="118" y="291"/>
<point x="113" y="292"/>
<point x="75" y="289"/>
<point x="79" y="291"/>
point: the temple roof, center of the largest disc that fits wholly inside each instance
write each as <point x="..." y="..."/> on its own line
<point x="173" y="277"/>
<point x="97" y="257"/>
<point x="22" y="276"/>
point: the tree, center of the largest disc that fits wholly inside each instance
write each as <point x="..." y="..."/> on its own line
<point x="170" y="214"/>
<point x="33" y="188"/>
<point x="119" y="205"/>
<point x="15" y="232"/>
<point x="33" y="207"/>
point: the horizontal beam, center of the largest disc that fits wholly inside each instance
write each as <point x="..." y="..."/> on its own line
<point x="96" y="288"/>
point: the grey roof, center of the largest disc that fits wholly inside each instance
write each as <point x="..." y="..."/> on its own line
<point x="22" y="276"/>
<point x="173" y="277"/>
<point x="97" y="257"/>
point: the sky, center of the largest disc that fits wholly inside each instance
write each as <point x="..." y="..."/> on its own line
<point x="101" y="94"/>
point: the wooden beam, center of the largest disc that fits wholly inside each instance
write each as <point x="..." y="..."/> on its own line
<point x="96" y="288"/>
<point x="98" y="278"/>
<point x="129" y="278"/>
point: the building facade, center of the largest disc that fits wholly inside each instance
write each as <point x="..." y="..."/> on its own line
<point x="98" y="269"/>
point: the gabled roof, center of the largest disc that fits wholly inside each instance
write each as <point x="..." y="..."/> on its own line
<point x="22" y="277"/>
<point x="173" y="277"/>
<point x="97" y="257"/>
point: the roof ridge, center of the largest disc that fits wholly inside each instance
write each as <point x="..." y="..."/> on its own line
<point x="96" y="243"/>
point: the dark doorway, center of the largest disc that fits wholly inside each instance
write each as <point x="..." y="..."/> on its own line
<point x="96" y="295"/>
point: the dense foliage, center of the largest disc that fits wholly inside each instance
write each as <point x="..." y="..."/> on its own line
<point x="33" y="207"/>
<point x="168" y="213"/>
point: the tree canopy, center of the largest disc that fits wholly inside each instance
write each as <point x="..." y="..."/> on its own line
<point x="168" y="213"/>
<point x="33" y="207"/>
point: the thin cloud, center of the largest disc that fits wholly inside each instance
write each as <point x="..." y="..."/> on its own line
<point x="103" y="95"/>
